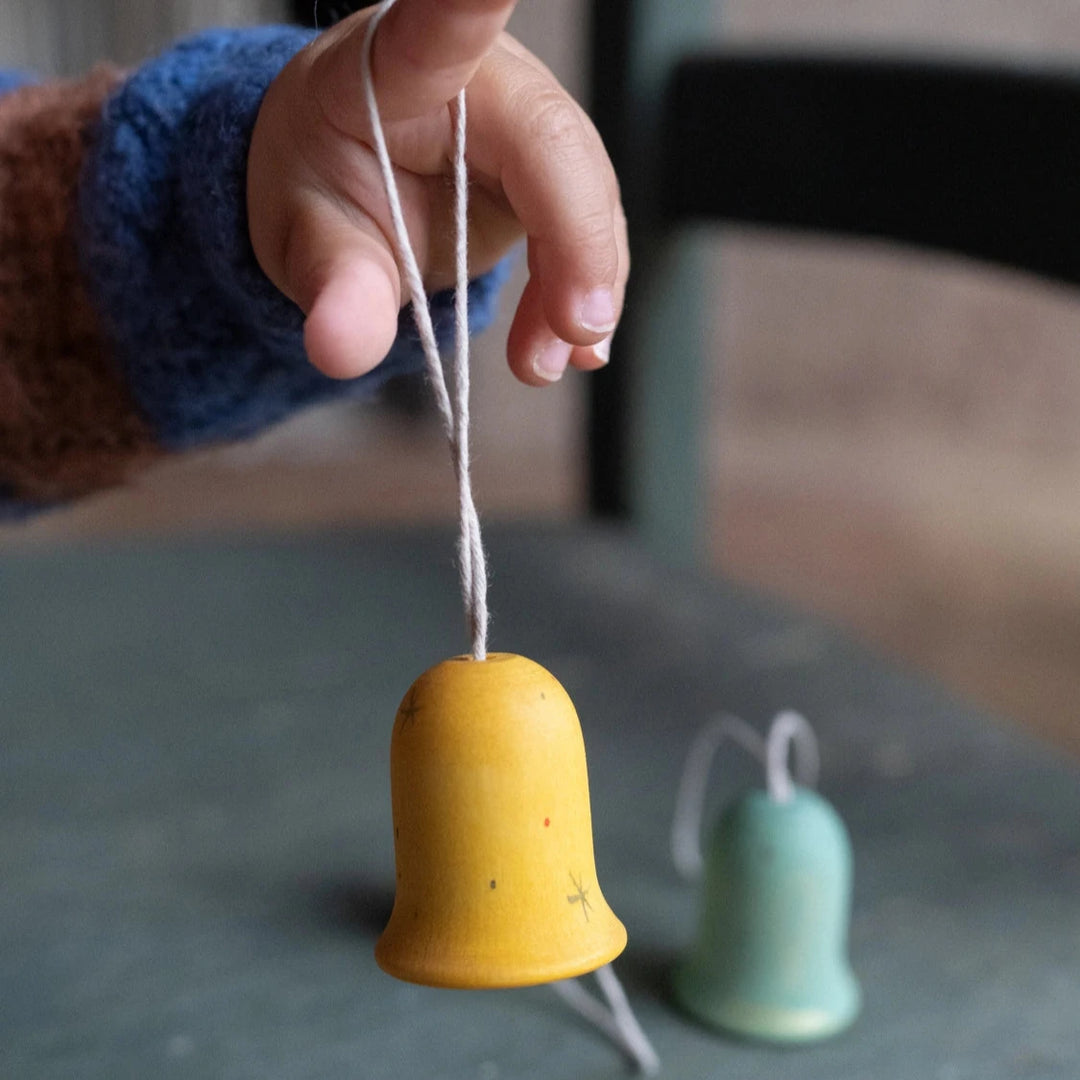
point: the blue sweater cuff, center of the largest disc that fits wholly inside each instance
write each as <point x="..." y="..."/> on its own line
<point x="211" y="350"/>
<point x="12" y="80"/>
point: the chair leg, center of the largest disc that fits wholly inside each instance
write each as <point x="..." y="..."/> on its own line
<point x="647" y="410"/>
<point x="668" y="404"/>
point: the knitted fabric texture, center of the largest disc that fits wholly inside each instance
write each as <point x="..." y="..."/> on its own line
<point x="211" y="349"/>
<point x="67" y="421"/>
<point x="171" y="336"/>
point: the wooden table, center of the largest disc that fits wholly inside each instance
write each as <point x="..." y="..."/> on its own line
<point x="195" y="839"/>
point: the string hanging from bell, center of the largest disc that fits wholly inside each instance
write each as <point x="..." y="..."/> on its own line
<point x="617" y="1020"/>
<point x="454" y="409"/>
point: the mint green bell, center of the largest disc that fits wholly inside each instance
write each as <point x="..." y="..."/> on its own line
<point x="770" y="961"/>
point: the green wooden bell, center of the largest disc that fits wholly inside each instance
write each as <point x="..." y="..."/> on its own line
<point x="770" y="959"/>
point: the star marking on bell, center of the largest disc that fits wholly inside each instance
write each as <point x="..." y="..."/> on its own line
<point x="580" y="897"/>
<point x="409" y="709"/>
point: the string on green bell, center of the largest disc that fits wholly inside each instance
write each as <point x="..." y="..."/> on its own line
<point x="788" y="727"/>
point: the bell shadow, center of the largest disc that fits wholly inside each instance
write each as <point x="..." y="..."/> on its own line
<point x="646" y="971"/>
<point x="353" y="906"/>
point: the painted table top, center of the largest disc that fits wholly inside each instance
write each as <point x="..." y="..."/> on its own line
<point x="195" y="840"/>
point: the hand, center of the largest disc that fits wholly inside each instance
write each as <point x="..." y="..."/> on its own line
<point x="318" y="212"/>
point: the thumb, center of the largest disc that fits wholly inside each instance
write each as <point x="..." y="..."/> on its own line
<point x="344" y="276"/>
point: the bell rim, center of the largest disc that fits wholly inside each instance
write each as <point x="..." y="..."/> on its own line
<point x="487" y="975"/>
<point x="773" y="1024"/>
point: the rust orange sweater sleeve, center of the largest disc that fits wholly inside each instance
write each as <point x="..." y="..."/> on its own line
<point x="135" y="321"/>
<point x="67" y="421"/>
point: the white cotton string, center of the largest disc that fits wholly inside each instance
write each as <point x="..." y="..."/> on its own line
<point x="634" y="1038"/>
<point x="788" y="727"/>
<point x="690" y="799"/>
<point x="454" y="412"/>
<point x="616" y="1020"/>
<point x="473" y="561"/>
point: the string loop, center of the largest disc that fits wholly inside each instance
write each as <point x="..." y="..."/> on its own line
<point x="790" y="728"/>
<point x="787" y="728"/>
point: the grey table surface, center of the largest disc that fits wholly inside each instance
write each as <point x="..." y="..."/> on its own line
<point x="195" y="836"/>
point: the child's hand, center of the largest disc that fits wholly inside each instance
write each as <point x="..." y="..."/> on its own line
<point x="318" y="212"/>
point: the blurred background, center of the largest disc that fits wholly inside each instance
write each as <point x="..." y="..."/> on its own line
<point x="894" y="437"/>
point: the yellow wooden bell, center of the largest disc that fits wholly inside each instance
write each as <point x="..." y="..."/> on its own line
<point x="496" y="884"/>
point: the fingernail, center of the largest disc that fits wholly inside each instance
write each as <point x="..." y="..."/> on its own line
<point x="597" y="312"/>
<point x="602" y="350"/>
<point x="550" y="362"/>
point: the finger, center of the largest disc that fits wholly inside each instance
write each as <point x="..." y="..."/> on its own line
<point x="538" y="146"/>
<point x="536" y="354"/>
<point x="424" y="53"/>
<point x="593" y="357"/>
<point x="343" y="275"/>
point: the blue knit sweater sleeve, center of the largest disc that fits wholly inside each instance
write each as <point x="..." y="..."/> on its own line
<point x="209" y="348"/>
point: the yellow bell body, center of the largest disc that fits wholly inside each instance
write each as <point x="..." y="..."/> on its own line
<point x="496" y="883"/>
